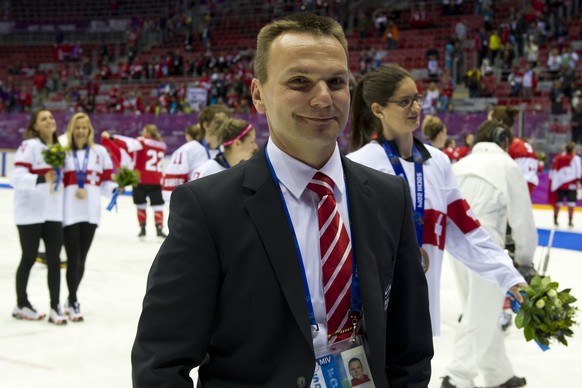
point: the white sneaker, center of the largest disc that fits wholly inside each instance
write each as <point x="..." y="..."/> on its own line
<point x="27" y="313"/>
<point x="74" y="312"/>
<point x="57" y="317"/>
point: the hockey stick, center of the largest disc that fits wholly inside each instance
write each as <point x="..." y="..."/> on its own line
<point x="547" y="257"/>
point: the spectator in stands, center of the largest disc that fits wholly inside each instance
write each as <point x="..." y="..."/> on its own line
<point x="554" y="63"/>
<point x="488" y="16"/>
<point x="460" y="31"/>
<point x="530" y="81"/>
<point x="431" y="97"/>
<point x="515" y="80"/>
<point x="488" y="83"/>
<point x="532" y="51"/>
<point x="576" y="121"/>
<point x="570" y="57"/>
<point x="391" y="35"/>
<point x="88" y="104"/>
<point x="557" y="98"/>
<point x="494" y="45"/>
<point x="432" y="66"/>
<point x="419" y="17"/>
<point x="449" y="52"/>
<point x="380" y="22"/>
<point x="568" y="80"/>
<point x="507" y="56"/>
<point x="481" y="44"/>
<point x="473" y="82"/>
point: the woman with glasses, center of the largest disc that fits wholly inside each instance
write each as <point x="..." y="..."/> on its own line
<point x="386" y="107"/>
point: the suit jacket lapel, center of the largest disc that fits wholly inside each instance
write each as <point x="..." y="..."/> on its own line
<point x="364" y="229"/>
<point x="266" y="211"/>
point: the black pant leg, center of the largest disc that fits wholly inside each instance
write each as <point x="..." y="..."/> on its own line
<point x="29" y="241"/>
<point x="52" y="235"/>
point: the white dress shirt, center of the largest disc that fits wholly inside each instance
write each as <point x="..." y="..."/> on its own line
<point x="293" y="176"/>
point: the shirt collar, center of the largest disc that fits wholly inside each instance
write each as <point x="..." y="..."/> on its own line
<point x="295" y="175"/>
<point x="487" y="147"/>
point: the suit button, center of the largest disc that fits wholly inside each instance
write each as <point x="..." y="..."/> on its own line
<point x="301" y="382"/>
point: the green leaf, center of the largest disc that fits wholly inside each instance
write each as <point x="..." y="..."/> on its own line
<point x="528" y="332"/>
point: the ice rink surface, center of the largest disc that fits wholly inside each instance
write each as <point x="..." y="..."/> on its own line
<point x="96" y="353"/>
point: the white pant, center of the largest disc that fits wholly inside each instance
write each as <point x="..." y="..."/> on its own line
<point x="479" y="342"/>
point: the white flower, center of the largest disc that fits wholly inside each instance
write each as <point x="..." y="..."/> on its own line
<point x="552" y="294"/>
<point x="540" y="304"/>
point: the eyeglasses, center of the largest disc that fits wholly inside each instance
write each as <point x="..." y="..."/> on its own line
<point x="406" y="102"/>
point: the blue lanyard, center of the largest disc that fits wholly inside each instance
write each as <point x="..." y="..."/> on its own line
<point x="205" y="144"/>
<point x="81" y="173"/>
<point x="418" y="213"/>
<point x="355" y="297"/>
<point x="223" y="159"/>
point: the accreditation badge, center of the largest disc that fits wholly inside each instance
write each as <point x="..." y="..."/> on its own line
<point x="81" y="194"/>
<point x="342" y="364"/>
<point x="425" y="259"/>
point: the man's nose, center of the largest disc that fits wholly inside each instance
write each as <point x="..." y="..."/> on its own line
<point x="321" y="95"/>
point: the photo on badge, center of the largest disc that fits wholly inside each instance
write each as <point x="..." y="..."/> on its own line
<point x="356" y="365"/>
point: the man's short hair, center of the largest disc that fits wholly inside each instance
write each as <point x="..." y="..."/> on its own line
<point x="300" y="22"/>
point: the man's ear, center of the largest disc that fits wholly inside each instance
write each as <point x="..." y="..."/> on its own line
<point x="257" y="96"/>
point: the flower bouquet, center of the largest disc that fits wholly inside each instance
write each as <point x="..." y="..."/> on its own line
<point x="124" y="177"/>
<point x="55" y="156"/>
<point x="546" y="314"/>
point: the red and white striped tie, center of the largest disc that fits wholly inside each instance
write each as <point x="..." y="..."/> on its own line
<point x="336" y="254"/>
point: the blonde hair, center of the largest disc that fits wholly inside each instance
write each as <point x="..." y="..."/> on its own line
<point x="152" y="131"/>
<point x="71" y="125"/>
<point x="195" y="131"/>
<point x="226" y="128"/>
<point x="432" y="126"/>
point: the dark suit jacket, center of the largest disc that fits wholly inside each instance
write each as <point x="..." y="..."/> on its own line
<point x="225" y="289"/>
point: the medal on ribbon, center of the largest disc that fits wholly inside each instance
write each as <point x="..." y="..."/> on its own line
<point x="81" y="174"/>
<point x="418" y="211"/>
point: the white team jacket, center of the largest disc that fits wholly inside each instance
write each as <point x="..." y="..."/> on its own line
<point x="34" y="204"/>
<point x="448" y="221"/>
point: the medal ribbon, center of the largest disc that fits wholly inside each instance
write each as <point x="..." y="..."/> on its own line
<point x="418" y="212"/>
<point x="205" y="144"/>
<point x="81" y="173"/>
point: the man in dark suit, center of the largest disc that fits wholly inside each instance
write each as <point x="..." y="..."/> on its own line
<point x="236" y="288"/>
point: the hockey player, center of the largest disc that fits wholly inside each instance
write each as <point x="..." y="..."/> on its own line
<point x="238" y="141"/>
<point x="201" y="145"/>
<point x="87" y="176"/>
<point x="38" y="212"/>
<point x="148" y="152"/>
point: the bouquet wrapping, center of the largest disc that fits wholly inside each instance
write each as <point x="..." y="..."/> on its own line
<point x="124" y="177"/>
<point x="546" y="313"/>
<point x="55" y="156"/>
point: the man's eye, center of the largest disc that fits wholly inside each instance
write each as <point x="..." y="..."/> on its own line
<point x="298" y="81"/>
<point x="337" y="82"/>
